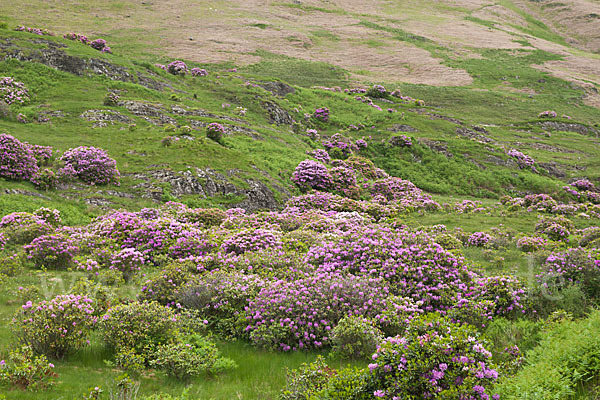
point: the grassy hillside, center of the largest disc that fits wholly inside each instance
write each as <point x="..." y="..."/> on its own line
<point x="465" y="83"/>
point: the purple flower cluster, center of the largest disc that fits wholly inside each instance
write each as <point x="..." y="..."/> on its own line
<point x="12" y="91"/>
<point x="54" y="251"/>
<point x="215" y="131"/>
<point x="452" y="363"/>
<point x="177" y="67"/>
<point x="92" y="165"/>
<point x="530" y="244"/>
<point x="198" y="72"/>
<point x="129" y="261"/>
<point x="321" y="114"/>
<point x="547" y="114"/>
<point x="524" y="161"/>
<point x="311" y="174"/>
<point x="479" y="239"/>
<point x="252" y="240"/>
<point x="35" y="31"/>
<point x="401" y="141"/>
<point x="100" y="45"/>
<point x="17" y="159"/>
<point x="361" y="144"/>
<point x="320" y="155"/>
<point x="77" y="37"/>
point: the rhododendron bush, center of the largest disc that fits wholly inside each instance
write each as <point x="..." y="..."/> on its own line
<point x="92" y="165"/>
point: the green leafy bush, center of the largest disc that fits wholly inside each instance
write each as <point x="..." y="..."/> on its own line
<point x="195" y="356"/>
<point x="141" y="326"/>
<point x="355" y="337"/>
<point x="307" y="380"/>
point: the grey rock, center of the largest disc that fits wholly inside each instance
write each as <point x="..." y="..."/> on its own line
<point x="277" y="115"/>
<point x="402" y="128"/>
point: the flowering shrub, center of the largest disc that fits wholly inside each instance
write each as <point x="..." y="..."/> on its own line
<point x="221" y="298"/>
<point x="111" y="99"/>
<point x="412" y="264"/>
<point x="400" y="141"/>
<point x="434" y="359"/>
<point x="78" y="37"/>
<point x="355" y="337"/>
<point x="338" y="147"/>
<point x="301" y="313"/>
<point x="139" y="326"/>
<point x="252" y="240"/>
<point x="556" y="228"/>
<point x="198" y="72"/>
<point x="583" y="184"/>
<point x="320" y="155"/>
<point x="215" y="131"/>
<point x="177" y="67"/>
<point x="547" y="114"/>
<point x="22" y="227"/>
<point x="311" y="174"/>
<point x="3" y="241"/>
<point x="12" y="91"/>
<point x="195" y="356"/>
<point x="100" y="45"/>
<point x="55" y="251"/>
<point x="506" y="293"/>
<point x="169" y="140"/>
<point x="129" y="261"/>
<point x="377" y="91"/>
<point x="530" y="244"/>
<point x="361" y="144"/>
<point x="573" y="266"/>
<point x="321" y="114"/>
<point x="26" y="371"/>
<point x="35" y="31"/>
<point x="164" y="287"/>
<point x="479" y="239"/>
<point x="523" y="160"/>
<point x="343" y="181"/>
<point x="57" y="327"/>
<point x="45" y="179"/>
<point x="17" y="160"/>
<point x="92" y="165"/>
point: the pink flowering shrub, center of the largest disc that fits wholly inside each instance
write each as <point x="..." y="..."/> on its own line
<point x="17" y="159"/>
<point x="222" y="298"/>
<point x="13" y="92"/>
<point x="530" y="244"/>
<point x="574" y="266"/>
<point x="301" y="314"/>
<point x="3" y="241"/>
<point x="35" y="31"/>
<point x="583" y="184"/>
<point x="524" y="161"/>
<point x="321" y="114"/>
<point x="361" y="144"/>
<point x="320" y="155"/>
<point x="198" y="72"/>
<point x="129" y="261"/>
<point x="400" y="141"/>
<point x="100" y="45"/>
<point x="555" y="228"/>
<point x="92" y="165"/>
<point x="311" y="174"/>
<point x="57" y="327"/>
<point x="377" y="91"/>
<point x="77" y="37"/>
<point x="252" y="240"/>
<point x="26" y="371"/>
<point x="411" y="263"/>
<point x="54" y="251"/>
<point x="22" y="227"/>
<point x="433" y="359"/>
<point x="215" y="131"/>
<point x="479" y="239"/>
<point x="177" y="67"/>
<point x="547" y="114"/>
